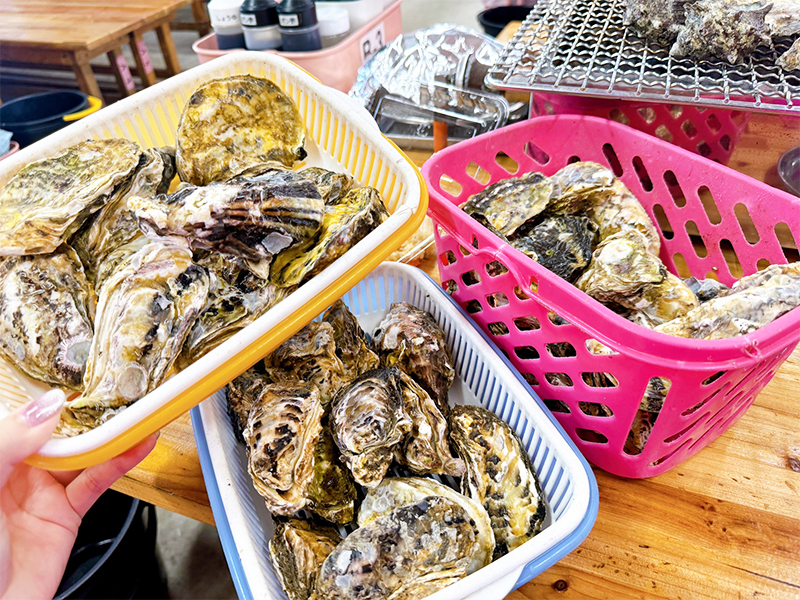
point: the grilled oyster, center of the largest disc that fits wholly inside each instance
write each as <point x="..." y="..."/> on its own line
<point x="237" y="298"/>
<point x="722" y="29"/>
<point x="283" y="428"/>
<point x="416" y="543"/>
<point x="659" y="21"/>
<point x="706" y="289"/>
<point x="297" y="550"/>
<point x="620" y="211"/>
<point x="233" y="123"/>
<point x="308" y="356"/>
<point x="345" y="223"/>
<point x="562" y="244"/>
<point x="46" y="310"/>
<point x="144" y="312"/>
<point x="331" y="493"/>
<point x="252" y="220"/>
<point x="367" y="421"/>
<point x="48" y="200"/>
<point x="499" y="476"/>
<point x="411" y="339"/>
<point x="352" y="346"/>
<point x="242" y="394"/>
<point x="579" y="185"/>
<point x="113" y="225"/>
<point x="508" y="203"/>
<point x="394" y="492"/>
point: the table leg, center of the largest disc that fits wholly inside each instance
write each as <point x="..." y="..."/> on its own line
<point x="168" y="49"/>
<point x="143" y="65"/>
<point x="119" y="66"/>
<point x="201" y="17"/>
<point x="86" y="79"/>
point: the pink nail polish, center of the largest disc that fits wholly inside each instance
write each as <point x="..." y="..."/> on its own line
<point x="41" y="409"/>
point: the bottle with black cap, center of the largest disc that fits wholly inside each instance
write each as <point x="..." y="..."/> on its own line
<point x="298" y="24"/>
<point x="260" y="24"/>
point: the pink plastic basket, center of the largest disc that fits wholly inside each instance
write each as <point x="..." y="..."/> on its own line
<point x="712" y="382"/>
<point x="710" y="132"/>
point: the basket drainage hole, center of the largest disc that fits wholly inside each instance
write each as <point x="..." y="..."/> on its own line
<point x="680" y="434"/>
<point x="573" y="159"/>
<point x="507" y="163"/>
<point x="536" y="153"/>
<point x="556" y="320"/>
<point x="746" y="223"/>
<point x="527" y="323"/>
<point x="665" y="134"/>
<point x="531" y="379"/>
<point x="450" y="286"/>
<point x="663" y="222"/>
<point x="448" y="258"/>
<point x="596" y="348"/>
<point x="589" y="435"/>
<point x="709" y="205"/>
<point x="498" y="328"/>
<point x="787" y="242"/>
<point x="640" y="431"/>
<point x="480" y="175"/>
<point x="696" y="239"/>
<point x="450" y="186"/>
<point x="641" y="172"/>
<point x="613" y="160"/>
<point x="619" y="116"/>
<point x="713" y="123"/>
<point x="558" y="379"/>
<point x="556" y="406"/>
<point x="600" y="380"/>
<point x="725" y="142"/>
<point x="520" y="293"/>
<point x="526" y="352"/>
<point x="495" y="268"/>
<point x="647" y="113"/>
<point x="561" y="350"/>
<point x="734" y="266"/>
<point x="463" y="251"/>
<point x="713" y="378"/>
<point x="471" y="277"/>
<point x="705" y="401"/>
<point x="762" y="264"/>
<point x="675" y="189"/>
<point x="473" y="306"/>
<point x="703" y="149"/>
<point x="497" y="299"/>
<point x="475" y="243"/>
<point x="676" y="111"/>
<point x="689" y="129"/>
<point x="595" y="409"/>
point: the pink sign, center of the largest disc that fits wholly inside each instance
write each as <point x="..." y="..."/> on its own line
<point x="125" y="72"/>
<point x="145" y="56"/>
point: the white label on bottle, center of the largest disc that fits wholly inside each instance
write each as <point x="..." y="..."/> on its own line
<point x="289" y="20"/>
<point x="221" y="20"/>
<point x="374" y="40"/>
<point x="248" y="19"/>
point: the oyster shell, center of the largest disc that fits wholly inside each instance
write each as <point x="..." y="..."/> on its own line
<point x="297" y="550"/>
<point x="233" y="123"/>
<point x="242" y="393"/>
<point x="252" y="220"/>
<point x="46" y="310"/>
<point x="394" y="492"/>
<point x="422" y="589"/>
<point x="783" y="17"/>
<point x="48" y="200"/>
<point x="663" y="302"/>
<point x="411" y="339"/>
<point x="331" y="493"/>
<point x="345" y="224"/>
<point x="144" y="313"/>
<point x="499" y="476"/>
<point x="706" y="289"/>
<point x="722" y="29"/>
<point x="283" y="428"/>
<point x="237" y="298"/>
<point x="579" y="185"/>
<point x="562" y="244"/>
<point x="117" y="258"/>
<point x="620" y="211"/>
<point x="508" y="203"/>
<point x="414" y="544"/>
<point x="114" y="226"/>
<point x="368" y="420"/>
<point x="352" y="346"/>
<point x="332" y="186"/>
<point x="790" y="60"/>
<point x="659" y="21"/>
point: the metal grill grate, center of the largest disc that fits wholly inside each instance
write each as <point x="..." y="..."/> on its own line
<point x="582" y="47"/>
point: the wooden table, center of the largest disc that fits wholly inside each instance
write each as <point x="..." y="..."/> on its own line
<point x="725" y="524"/>
<point x="42" y="33"/>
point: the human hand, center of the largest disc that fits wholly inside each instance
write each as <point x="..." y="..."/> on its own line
<point x="40" y="511"/>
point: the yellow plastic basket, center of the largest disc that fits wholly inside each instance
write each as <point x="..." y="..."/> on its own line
<point x="339" y="137"/>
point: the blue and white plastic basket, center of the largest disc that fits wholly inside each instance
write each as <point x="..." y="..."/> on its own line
<point x="483" y="377"/>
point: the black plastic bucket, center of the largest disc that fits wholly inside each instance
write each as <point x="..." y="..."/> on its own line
<point x="30" y="118"/>
<point x="495" y="19"/>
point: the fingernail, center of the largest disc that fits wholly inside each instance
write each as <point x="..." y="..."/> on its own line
<point x="41" y="409"/>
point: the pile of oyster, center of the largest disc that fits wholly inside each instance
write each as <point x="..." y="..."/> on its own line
<point x="324" y="419"/>
<point x="108" y="282"/>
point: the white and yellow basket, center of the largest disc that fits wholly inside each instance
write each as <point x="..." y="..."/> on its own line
<point x="338" y="137"/>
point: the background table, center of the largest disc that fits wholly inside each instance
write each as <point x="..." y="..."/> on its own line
<point x="725" y="524"/>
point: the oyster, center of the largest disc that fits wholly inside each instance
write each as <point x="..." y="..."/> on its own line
<point x="790" y="60"/>
<point x="352" y="346"/>
<point x="722" y="29"/>
<point x="412" y="545"/>
<point x="233" y="123"/>
<point x="48" y="200"/>
<point x="345" y="224"/>
<point x="508" y="203"/>
<point x="252" y="220"/>
<point x="237" y="298"/>
<point x="663" y="302"/>
<point x="367" y="419"/>
<point x="332" y="186"/>
<point x="620" y="211"/>
<point x="562" y="244"/>
<point x="499" y="476"/>
<point x="117" y="258"/>
<point x="46" y="310"/>
<point x="422" y="589"/>
<point x="283" y="428"/>
<point x="297" y="550"/>
<point x="310" y="357"/>
<point x="144" y="313"/>
<point x="113" y="225"/>
<point x="411" y="339"/>
<point x="242" y="394"/>
<point x="659" y="21"/>
<point x="649" y="408"/>
<point x="706" y="289"/>
<point x="579" y="185"/>
<point x="425" y="449"/>
<point x="783" y="18"/>
<point x="331" y="493"/>
<point x="773" y="275"/>
<point x="394" y="492"/>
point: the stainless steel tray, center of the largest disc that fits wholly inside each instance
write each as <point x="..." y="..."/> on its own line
<point x="582" y="47"/>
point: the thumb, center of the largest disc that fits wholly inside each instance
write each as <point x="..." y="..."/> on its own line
<point x="27" y="429"/>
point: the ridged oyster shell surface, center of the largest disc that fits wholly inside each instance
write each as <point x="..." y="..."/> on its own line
<point x="48" y="200"/>
<point x="234" y="123"/>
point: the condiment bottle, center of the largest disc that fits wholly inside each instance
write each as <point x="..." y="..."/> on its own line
<point x="298" y="24"/>
<point x="334" y="24"/>
<point x="260" y="24"/>
<point x="224" y="16"/>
